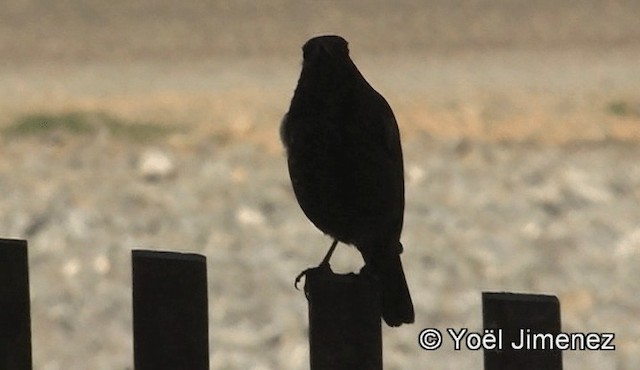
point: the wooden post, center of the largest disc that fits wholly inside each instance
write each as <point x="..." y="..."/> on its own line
<point x="170" y="311"/>
<point x="344" y="321"/>
<point x="15" y="308"/>
<point x="514" y="313"/>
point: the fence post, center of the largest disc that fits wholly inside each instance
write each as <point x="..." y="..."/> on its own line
<point x="344" y="321"/>
<point x="514" y="313"/>
<point x="170" y="311"/>
<point x="15" y="310"/>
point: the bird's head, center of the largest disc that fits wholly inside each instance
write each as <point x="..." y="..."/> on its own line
<point x="326" y="49"/>
<point x="326" y="64"/>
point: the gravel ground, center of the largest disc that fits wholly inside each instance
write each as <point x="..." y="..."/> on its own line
<point x="514" y="217"/>
<point x="520" y="125"/>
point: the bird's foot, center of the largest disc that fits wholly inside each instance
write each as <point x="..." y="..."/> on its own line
<point x="321" y="267"/>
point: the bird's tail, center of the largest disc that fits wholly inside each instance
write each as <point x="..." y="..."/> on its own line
<point x="397" y="307"/>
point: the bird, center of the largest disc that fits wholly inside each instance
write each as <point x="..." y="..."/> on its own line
<point x="344" y="158"/>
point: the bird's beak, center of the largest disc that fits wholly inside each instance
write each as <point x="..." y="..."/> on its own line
<point x="319" y="49"/>
<point x="326" y="49"/>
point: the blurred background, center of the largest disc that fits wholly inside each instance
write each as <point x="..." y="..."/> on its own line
<point x="154" y="124"/>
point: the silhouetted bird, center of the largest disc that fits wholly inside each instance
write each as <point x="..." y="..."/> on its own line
<point x="345" y="163"/>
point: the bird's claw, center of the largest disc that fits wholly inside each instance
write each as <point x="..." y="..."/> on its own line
<point x="322" y="266"/>
<point x="300" y="275"/>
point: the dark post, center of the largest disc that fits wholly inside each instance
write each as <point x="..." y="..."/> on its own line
<point x="344" y="321"/>
<point x="15" y="310"/>
<point x="170" y="311"/>
<point x="518" y="314"/>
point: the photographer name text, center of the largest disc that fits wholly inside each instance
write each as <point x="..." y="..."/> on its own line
<point x="493" y="339"/>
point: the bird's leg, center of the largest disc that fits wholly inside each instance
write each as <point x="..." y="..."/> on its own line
<point x="325" y="260"/>
<point x="323" y="265"/>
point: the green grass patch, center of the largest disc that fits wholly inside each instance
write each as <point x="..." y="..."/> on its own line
<point x="35" y="124"/>
<point x="137" y="131"/>
<point x="86" y="123"/>
<point x="619" y="108"/>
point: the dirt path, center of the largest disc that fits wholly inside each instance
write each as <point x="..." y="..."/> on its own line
<point x="510" y="95"/>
